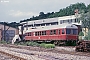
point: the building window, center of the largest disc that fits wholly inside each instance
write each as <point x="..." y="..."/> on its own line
<point x="75" y="20"/>
<point x="47" y="24"/>
<point x="54" y="23"/>
<point x="70" y="21"/>
<point x="42" y="24"/>
<point x="61" y="22"/>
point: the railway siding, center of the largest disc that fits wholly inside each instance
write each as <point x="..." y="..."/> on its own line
<point x="72" y="49"/>
<point x="17" y="54"/>
<point x="41" y="55"/>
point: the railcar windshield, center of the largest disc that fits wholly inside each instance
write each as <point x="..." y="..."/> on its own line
<point x="75" y="31"/>
<point x="72" y="31"/>
<point x="68" y="31"/>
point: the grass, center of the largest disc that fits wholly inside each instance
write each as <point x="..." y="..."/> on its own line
<point x="44" y="45"/>
<point x="3" y="42"/>
<point x="47" y="45"/>
<point x="28" y="43"/>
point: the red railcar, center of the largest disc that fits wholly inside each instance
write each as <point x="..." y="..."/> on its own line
<point x="63" y="32"/>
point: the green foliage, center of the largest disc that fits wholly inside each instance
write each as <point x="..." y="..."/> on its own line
<point x="88" y="7"/>
<point x="20" y="43"/>
<point x="70" y="43"/>
<point x="44" y="45"/>
<point x="47" y="45"/>
<point x="12" y="24"/>
<point x="87" y="37"/>
<point x="81" y="34"/>
<point x="32" y="44"/>
<point x="69" y="10"/>
<point x="28" y="43"/>
<point x="4" y="42"/>
<point x="85" y="18"/>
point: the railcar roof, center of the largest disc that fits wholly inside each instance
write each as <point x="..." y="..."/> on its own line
<point x="43" y="28"/>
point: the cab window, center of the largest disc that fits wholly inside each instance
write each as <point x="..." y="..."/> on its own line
<point x="68" y="31"/>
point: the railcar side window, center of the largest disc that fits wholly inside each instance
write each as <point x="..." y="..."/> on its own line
<point x="26" y="34"/>
<point x="35" y="33"/>
<point x="40" y="32"/>
<point x="63" y="32"/>
<point x="68" y="31"/>
<point x="52" y="32"/>
<point x="43" y="32"/>
<point x="75" y="31"/>
<point x="29" y="34"/>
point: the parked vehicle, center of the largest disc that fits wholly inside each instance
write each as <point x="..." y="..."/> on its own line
<point x="59" y="34"/>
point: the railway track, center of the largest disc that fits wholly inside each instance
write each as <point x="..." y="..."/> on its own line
<point x="11" y="56"/>
<point x="28" y="55"/>
<point x="37" y="53"/>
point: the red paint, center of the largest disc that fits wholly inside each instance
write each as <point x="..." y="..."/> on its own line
<point x="56" y="36"/>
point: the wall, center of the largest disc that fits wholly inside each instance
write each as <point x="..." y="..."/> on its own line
<point x="7" y="29"/>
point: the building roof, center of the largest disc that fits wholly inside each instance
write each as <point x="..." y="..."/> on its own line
<point x="7" y="24"/>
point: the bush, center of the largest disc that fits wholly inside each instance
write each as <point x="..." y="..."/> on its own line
<point x="28" y="43"/>
<point x="3" y="42"/>
<point x="32" y="44"/>
<point x="47" y="45"/>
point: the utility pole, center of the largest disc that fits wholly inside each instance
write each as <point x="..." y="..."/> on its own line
<point x="22" y="28"/>
<point x="76" y="15"/>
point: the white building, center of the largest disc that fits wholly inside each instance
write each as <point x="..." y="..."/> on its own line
<point x="48" y="22"/>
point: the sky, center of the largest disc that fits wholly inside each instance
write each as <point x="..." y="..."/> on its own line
<point x="17" y="10"/>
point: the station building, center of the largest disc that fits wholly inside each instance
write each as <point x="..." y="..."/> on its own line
<point x="7" y="33"/>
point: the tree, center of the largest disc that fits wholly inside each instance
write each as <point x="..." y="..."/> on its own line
<point x="41" y="13"/>
<point x="88" y="7"/>
<point x="87" y="37"/>
<point x="85" y="18"/>
<point x="69" y="10"/>
<point x="80" y="35"/>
